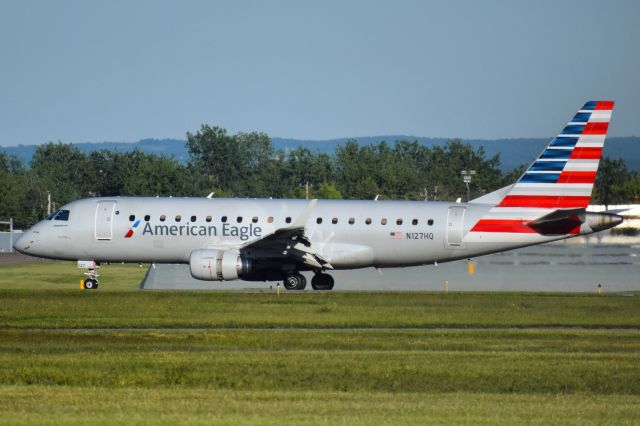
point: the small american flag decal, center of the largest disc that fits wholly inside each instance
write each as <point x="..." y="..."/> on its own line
<point x="396" y="235"/>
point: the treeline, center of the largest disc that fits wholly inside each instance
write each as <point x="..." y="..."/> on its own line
<point x="247" y="165"/>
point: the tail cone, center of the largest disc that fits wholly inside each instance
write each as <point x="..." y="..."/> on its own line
<point x="601" y="221"/>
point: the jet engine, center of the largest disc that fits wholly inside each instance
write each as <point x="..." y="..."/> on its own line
<point x="218" y="265"/>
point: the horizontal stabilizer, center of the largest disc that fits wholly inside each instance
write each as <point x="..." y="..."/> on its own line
<point x="559" y="222"/>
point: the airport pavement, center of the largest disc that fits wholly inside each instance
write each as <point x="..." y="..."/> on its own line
<point x="17" y="258"/>
<point x="558" y="267"/>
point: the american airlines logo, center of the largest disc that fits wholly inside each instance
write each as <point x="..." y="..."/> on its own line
<point x="130" y="232"/>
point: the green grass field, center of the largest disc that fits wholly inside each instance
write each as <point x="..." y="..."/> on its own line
<point x="123" y="356"/>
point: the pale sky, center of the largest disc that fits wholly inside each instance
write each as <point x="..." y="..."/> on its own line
<point x="92" y="71"/>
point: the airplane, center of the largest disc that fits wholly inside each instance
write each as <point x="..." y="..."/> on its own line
<point x="276" y="239"/>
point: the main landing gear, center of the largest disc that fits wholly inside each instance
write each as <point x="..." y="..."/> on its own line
<point x="297" y="281"/>
<point x="322" y="281"/>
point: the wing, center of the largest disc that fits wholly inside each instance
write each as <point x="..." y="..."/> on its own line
<point x="290" y="243"/>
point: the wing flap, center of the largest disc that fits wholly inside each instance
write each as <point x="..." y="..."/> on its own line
<point x="290" y="242"/>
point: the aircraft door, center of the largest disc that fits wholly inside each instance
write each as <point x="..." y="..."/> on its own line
<point x="455" y="221"/>
<point x="104" y="219"/>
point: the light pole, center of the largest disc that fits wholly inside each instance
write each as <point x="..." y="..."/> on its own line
<point x="466" y="178"/>
<point x="306" y="185"/>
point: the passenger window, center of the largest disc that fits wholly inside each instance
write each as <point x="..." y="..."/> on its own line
<point x="193" y="218"/>
<point x="383" y="221"/>
<point x="178" y="218"/>
<point x="163" y="218"/>
<point x="239" y="219"/>
<point x="368" y="221"/>
<point x="351" y="221"/>
<point x="319" y="220"/>
<point x="254" y="219"/>
<point x="414" y="222"/>
<point x="132" y="218"/>
<point x="288" y="220"/>
<point x="147" y="218"/>
<point x="270" y="219"/>
<point x="208" y="219"/>
<point x="430" y="222"/>
<point x="399" y="221"/>
<point x="334" y="220"/>
<point x="62" y="215"/>
<point x="223" y="219"/>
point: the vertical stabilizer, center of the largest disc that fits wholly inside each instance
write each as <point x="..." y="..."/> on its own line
<point x="562" y="177"/>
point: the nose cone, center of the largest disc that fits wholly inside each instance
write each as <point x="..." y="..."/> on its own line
<point x="23" y="242"/>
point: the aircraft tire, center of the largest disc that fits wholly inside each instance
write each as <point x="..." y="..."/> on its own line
<point x="90" y="284"/>
<point x="322" y="282"/>
<point x="295" y="282"/>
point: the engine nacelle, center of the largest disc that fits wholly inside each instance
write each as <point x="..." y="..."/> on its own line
<point x="218" y="265"/>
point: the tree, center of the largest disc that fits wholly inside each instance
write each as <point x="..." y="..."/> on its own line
<point x="63" y="170"/>
<point x="11" y="187"/>
<point x="611" y="179"/>
<point x="241" y="164"/>
<point x="327" y="191"/>
<point x="259" y="166"/>
<point x="148" y="174"/>
<point x="303" y="167"/>
<point x="214" y="158"/>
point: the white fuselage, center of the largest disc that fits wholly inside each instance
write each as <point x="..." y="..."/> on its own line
<point x="348" y="234"/>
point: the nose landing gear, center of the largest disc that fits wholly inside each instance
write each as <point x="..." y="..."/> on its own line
<point x="92" y="272"/>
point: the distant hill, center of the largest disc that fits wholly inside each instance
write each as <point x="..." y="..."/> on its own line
<point x="513" y="152"/>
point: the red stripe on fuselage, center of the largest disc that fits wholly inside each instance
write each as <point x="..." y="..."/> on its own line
<point x="544" y="201"/>
<point x="129" y="233"/>
<point x="577" y="177"/>
<point x="502" y="225"/>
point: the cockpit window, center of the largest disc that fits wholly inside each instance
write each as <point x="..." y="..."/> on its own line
<point x="62" y="215"/>
<point x="59" y="215"/>
<point x="52" y="215"/>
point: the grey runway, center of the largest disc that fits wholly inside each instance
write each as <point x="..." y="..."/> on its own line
<point x="572" y="266"/>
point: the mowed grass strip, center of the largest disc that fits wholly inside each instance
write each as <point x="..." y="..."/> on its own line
<point x="98" y="309"/>
<point x="313" y="358"/>
<point x="45" y="405"/>
<point x="506" y="361"/>
<point x="59" y="275"/>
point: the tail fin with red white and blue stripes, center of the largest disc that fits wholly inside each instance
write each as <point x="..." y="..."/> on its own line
<point x="562" y="177"/>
